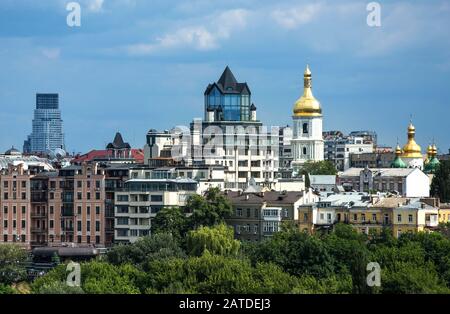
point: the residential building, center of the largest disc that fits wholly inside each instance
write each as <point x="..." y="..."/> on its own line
<point x="231" y="136"/>
<point x="372" y="160"/>
<point x="142" y="198"/>
<point x="339" y="149"/>
<point x="323" y="183"/>
<point x="258" y="215"/>
<point x="409" y="182"/>
<point x="47" y="134"/>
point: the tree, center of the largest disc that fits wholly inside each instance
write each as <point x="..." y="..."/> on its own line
<point x="323" y="167"/>
<point x="296" y="253"/>
<point x="57" y="287"/>
<point x="208" y="210"/>
<point x="12" y="264"/>
<point x="160" y="245"/>
<point x="440" y="186"/>
<point x="217" y="240"/>
<point x="170" y="220"/>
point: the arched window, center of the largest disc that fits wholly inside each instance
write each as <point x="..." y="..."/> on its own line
<point x="304" y="150"/>
<point x="305" y="128"/>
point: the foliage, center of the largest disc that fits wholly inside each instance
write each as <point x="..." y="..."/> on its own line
<point x="324" y="167"/>
<point x="12" y="263"/>
<point x="208" y="210"/>
<point x="217" y="240"/>
<point x="57" y="287"/>
<point x="440" y="186"/>
<point x="171" y="220"/>
<point x="296" y="253"/>
<point x="145" y="249"/>
<point x="5" y="289"/>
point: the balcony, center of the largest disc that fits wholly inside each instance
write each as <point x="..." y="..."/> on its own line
<point x="38" y="215"/>
<point x="67" y="213"/>
<point x="38" y="230"/>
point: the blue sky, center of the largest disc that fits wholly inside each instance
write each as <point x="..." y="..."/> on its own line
<point x="138" y="64"/>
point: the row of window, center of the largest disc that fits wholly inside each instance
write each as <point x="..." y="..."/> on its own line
<point x="23" y="184"/>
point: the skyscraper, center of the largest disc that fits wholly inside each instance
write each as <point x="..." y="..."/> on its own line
<point x="47" y="134"/>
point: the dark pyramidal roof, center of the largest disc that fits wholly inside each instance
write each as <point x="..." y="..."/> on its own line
<point x="118" y="143"/>
<point x="227" y="84"/>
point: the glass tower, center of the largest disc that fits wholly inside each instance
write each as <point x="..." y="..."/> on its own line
<point x="47" y="134"/>
<point x="229" y="99"/>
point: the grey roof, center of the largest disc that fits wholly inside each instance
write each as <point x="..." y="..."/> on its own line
<point x="350" y="199"/>
<point x="118" y="143"/>
<point x="227" y="84"/>
<point x="12" y="151"/>
<point x="271" y="197"/>
<point x="384" y="172"/>
<point x="322" y="179"/>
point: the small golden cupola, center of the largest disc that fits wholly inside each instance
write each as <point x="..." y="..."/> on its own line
<point x="411" y="148"/>
<point x="307" y="105"/>
<point x="429" y="153"/>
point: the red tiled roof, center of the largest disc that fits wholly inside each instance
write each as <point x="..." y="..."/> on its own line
<point x="136" y="154"/>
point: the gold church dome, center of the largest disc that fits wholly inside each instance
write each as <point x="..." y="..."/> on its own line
<point x="412" y="149"/>
<point x="307" y="105"/>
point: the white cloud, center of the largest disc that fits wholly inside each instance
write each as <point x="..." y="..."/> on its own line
<point x="293" y="17"/>
<point x="95" y="5"/>
<point x="200" y="37"/>
<point x="51" y="53"/>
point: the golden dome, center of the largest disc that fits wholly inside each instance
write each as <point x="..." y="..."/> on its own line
<point x="307" y="105"/>
<point x="398" y="150"/>
<point x="412" y="149"/>
<point x="434" y="150"/>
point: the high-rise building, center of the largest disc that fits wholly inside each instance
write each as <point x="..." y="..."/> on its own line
<point x="47" y="134"/>
<point x="307" y="142"/>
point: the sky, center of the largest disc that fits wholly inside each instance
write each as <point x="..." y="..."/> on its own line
<point x="135" y="65"/>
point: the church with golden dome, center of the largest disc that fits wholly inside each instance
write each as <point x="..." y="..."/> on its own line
<point x="410" y="156"/>
<point x="307" y="141"/>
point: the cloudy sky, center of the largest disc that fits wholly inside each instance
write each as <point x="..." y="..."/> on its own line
<point x="138" y="64"/>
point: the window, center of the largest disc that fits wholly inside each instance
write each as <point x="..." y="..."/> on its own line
<point x="322" y="216"/>
<point x="88" y="195"/>
<point x="97" y="195"/>
<point x="248" y="212"/>
<point x="88" y="210"/>
<point x="305" y="216"/>
<point x="5" y="238"/>
<point x="88" y="226"/>
<point x="355" y="217"/>
<point x="156" y="198"/>
<point x="52" y="222"/>
<point x="88" y="239"/>
<point x="122" y="198"/>
<point x="24" y="195"/>
<point x="97" y="239"/>
<point x="410" y="218"/>
<point x="399" y="218"/>
<point x="5" y="224"/>
<point x="24" y="184"/>
<point x="305" y="128"/>
<point x="79" y="195"/>
<point x="304" y="150"/>
<point x="5" y="209"/>
<point x="5" y="184"/>
<point x="374" y="217"/>
<point x="79" y="210"/>
<point x="97" y="184"/>
<point x="88" y="184"/>
<point x="5" y="196"/>
<point x="24" y="209"/>
<point x="78" y="225"/>
<point x="79" y="239"/>
<point x="270" y="226"/>
<point x="97" y="210"/>
<point x="239" y="212"/>
<point x="363" y="217"/>
<point x="52" y="185"/>
<point x="23" y="224"/>
<point x="97" y="226"/>
<point x="52" y="195"/>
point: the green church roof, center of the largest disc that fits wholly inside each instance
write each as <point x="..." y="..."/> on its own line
<point x="398" y="163"/>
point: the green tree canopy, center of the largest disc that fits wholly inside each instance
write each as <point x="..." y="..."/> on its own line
<point x="440" y="186"/>
<point x="208" y="210"/>
<point x="12" y="263"/>
<point x="217" y="240"/>
<point x="160" y="245"/>
<point x="171" y="220"/>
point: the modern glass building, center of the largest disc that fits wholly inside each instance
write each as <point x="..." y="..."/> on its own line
<point x="229" y="99"/>
<point x="47" y="134"/>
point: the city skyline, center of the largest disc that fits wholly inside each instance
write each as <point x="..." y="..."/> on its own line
<point x="131" y="80"/>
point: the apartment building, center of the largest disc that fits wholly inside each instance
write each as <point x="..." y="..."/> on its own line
<point x="408" y="182"/>
<point x="259" y="215"/>
<point x="369" y="214"/>
<point x="143" y="196"/>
